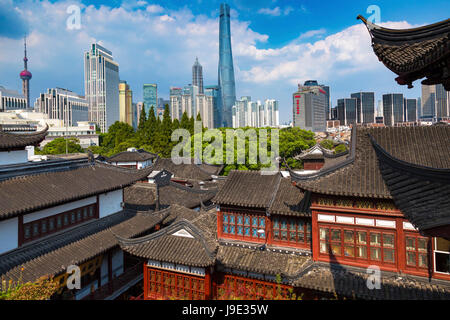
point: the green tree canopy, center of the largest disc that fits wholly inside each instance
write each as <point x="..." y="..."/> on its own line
<point x="58" y="146"/>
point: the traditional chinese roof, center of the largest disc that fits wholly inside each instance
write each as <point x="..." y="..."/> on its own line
<point x="248" y="189"/>
<point x="256" y="190"/>
<point x="290" y="200"/>
<point x="188" y="171"/>
<point x="132" y="156"/>
<point x="414" y="53"/>
<point x="190" y="241"/>
<point x="142" y="196"/>
<point x="17" y="141"/>
<point x="27" y="193"/>
<point x="352" y="283"/>
<point x="421" y="192"/>
<point x="54" y="254"/>
<point x="360" y="175"/>
<point x="288" y="265"/>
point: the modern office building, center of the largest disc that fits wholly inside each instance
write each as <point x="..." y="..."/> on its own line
<point x="442" y="102"/>
<point x="150" y="96"/>
<point x="428" y="101"/>
<point x="410" y="107"/>
<point x="393" y="111"/>
<point x="101" y="82"/>
<point x="11" y="100"/>
<point x="227" y="89"/>
<point x="309" y="107"/>
<point x="63" y="104"/>
<point x="327" y="101"/>
<point x="125" y="103"/>
<point x="347" y="111"/>
<point x="365" y="107"/>
<point x="26" y="76"/>
<point x="197" y="76"/>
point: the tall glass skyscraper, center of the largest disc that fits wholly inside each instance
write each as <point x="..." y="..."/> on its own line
<point x="150" y="96"/>
<point x="227" y="89"/>
<point x="101" y="82"/>
<point x="197" y="76"/>
<point x="365" y="106"/>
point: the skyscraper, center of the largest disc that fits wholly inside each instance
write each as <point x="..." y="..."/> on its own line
<point x="347" y="111"/>
<point x="101" y="83"/>
<point x="26" y="76"/>
<point x="410" y="110"/>
<point x="428" y="101"/>
<point x="309" y="107"/>
<point x="227" y="89"/>
<point x="197" y="76"/>
<point x="213" y="91"/>
<point x="365" y="106"/>
<point x="150" y="96"/>
<point x="125" y="103"/>
<point x="393" y="111"/>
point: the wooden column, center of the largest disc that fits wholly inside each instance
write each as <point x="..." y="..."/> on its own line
<point x="400" y="246"/>
<point x="20" y="236"/>
<point x="145" y="270"/>
<point x="314" y="236"/>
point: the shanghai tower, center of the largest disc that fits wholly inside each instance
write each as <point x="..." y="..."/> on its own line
<point x="227" y="90"/>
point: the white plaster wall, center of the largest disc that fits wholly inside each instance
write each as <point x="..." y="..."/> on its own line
<point x="58" y="209"/>
<point x="9" y="234"/>
<point x="13" y="157"/>
<point x="110" y="202"/>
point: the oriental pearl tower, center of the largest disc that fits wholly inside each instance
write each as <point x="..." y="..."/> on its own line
<point x="25" y="75"/>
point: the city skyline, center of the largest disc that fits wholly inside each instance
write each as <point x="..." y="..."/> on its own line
<point x="266" y="62"/>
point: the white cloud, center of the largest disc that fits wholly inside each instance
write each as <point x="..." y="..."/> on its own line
<point x="161" y="47"/>
<point x="154" y="8"/>
<point x="271" y="12"/>
<point x="311" y="33"/>
<point x="342" y="53"/>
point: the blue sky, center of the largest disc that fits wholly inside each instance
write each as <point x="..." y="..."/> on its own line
<point x="276" y="44"/>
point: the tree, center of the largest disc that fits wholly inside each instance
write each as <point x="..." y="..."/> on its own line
<point x="42" y="289"/>
<point x="118" y="132"/>
<point x="58" y="146"/>
<point x="327" y="144"/>
<point x="184" y="124"/>
<point x="340" y="148"/>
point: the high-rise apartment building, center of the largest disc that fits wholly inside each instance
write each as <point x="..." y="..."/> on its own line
<point x="227" y="89"/>
<point x="309" y="107"/>
<point x="205" y="107"/>
<point x="248" y="113"/>
<point x="150" y="97"/>
<point x="197" y="76"/>
<point x="428" y="101"/>
<point x="125" y="103"/>
<point x="101" y="82"/>
<point x="63" y="104"/>
<point x="365" y="106"/>
<point x="393" y="110"/>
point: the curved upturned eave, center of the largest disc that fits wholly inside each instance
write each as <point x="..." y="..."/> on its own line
<point x="435" y="174"/>
<point x="401" y="35"/>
